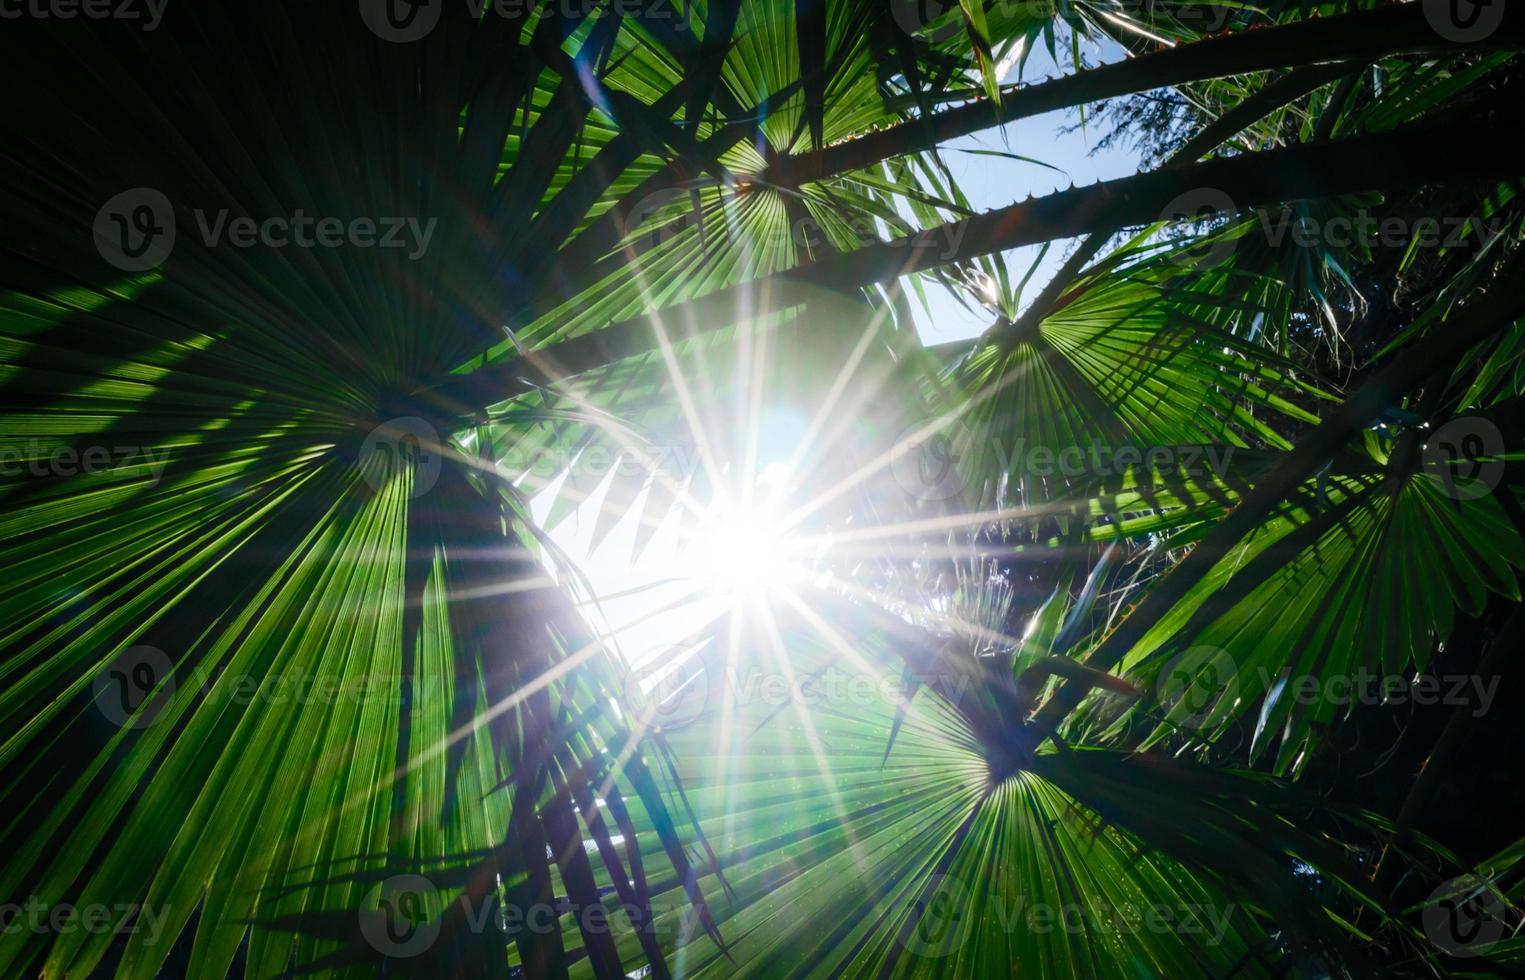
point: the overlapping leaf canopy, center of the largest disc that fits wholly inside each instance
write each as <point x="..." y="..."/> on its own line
<point x="630" y="227"/>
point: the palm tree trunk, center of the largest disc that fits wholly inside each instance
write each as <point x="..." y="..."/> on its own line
<point x="1356" y="36"/>
<point x="1284" y="90"/>
<point x="1402" y="158"/>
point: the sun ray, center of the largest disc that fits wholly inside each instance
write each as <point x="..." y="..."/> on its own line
<point x="932" y="428"/>
<point x="813" y="738"/>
